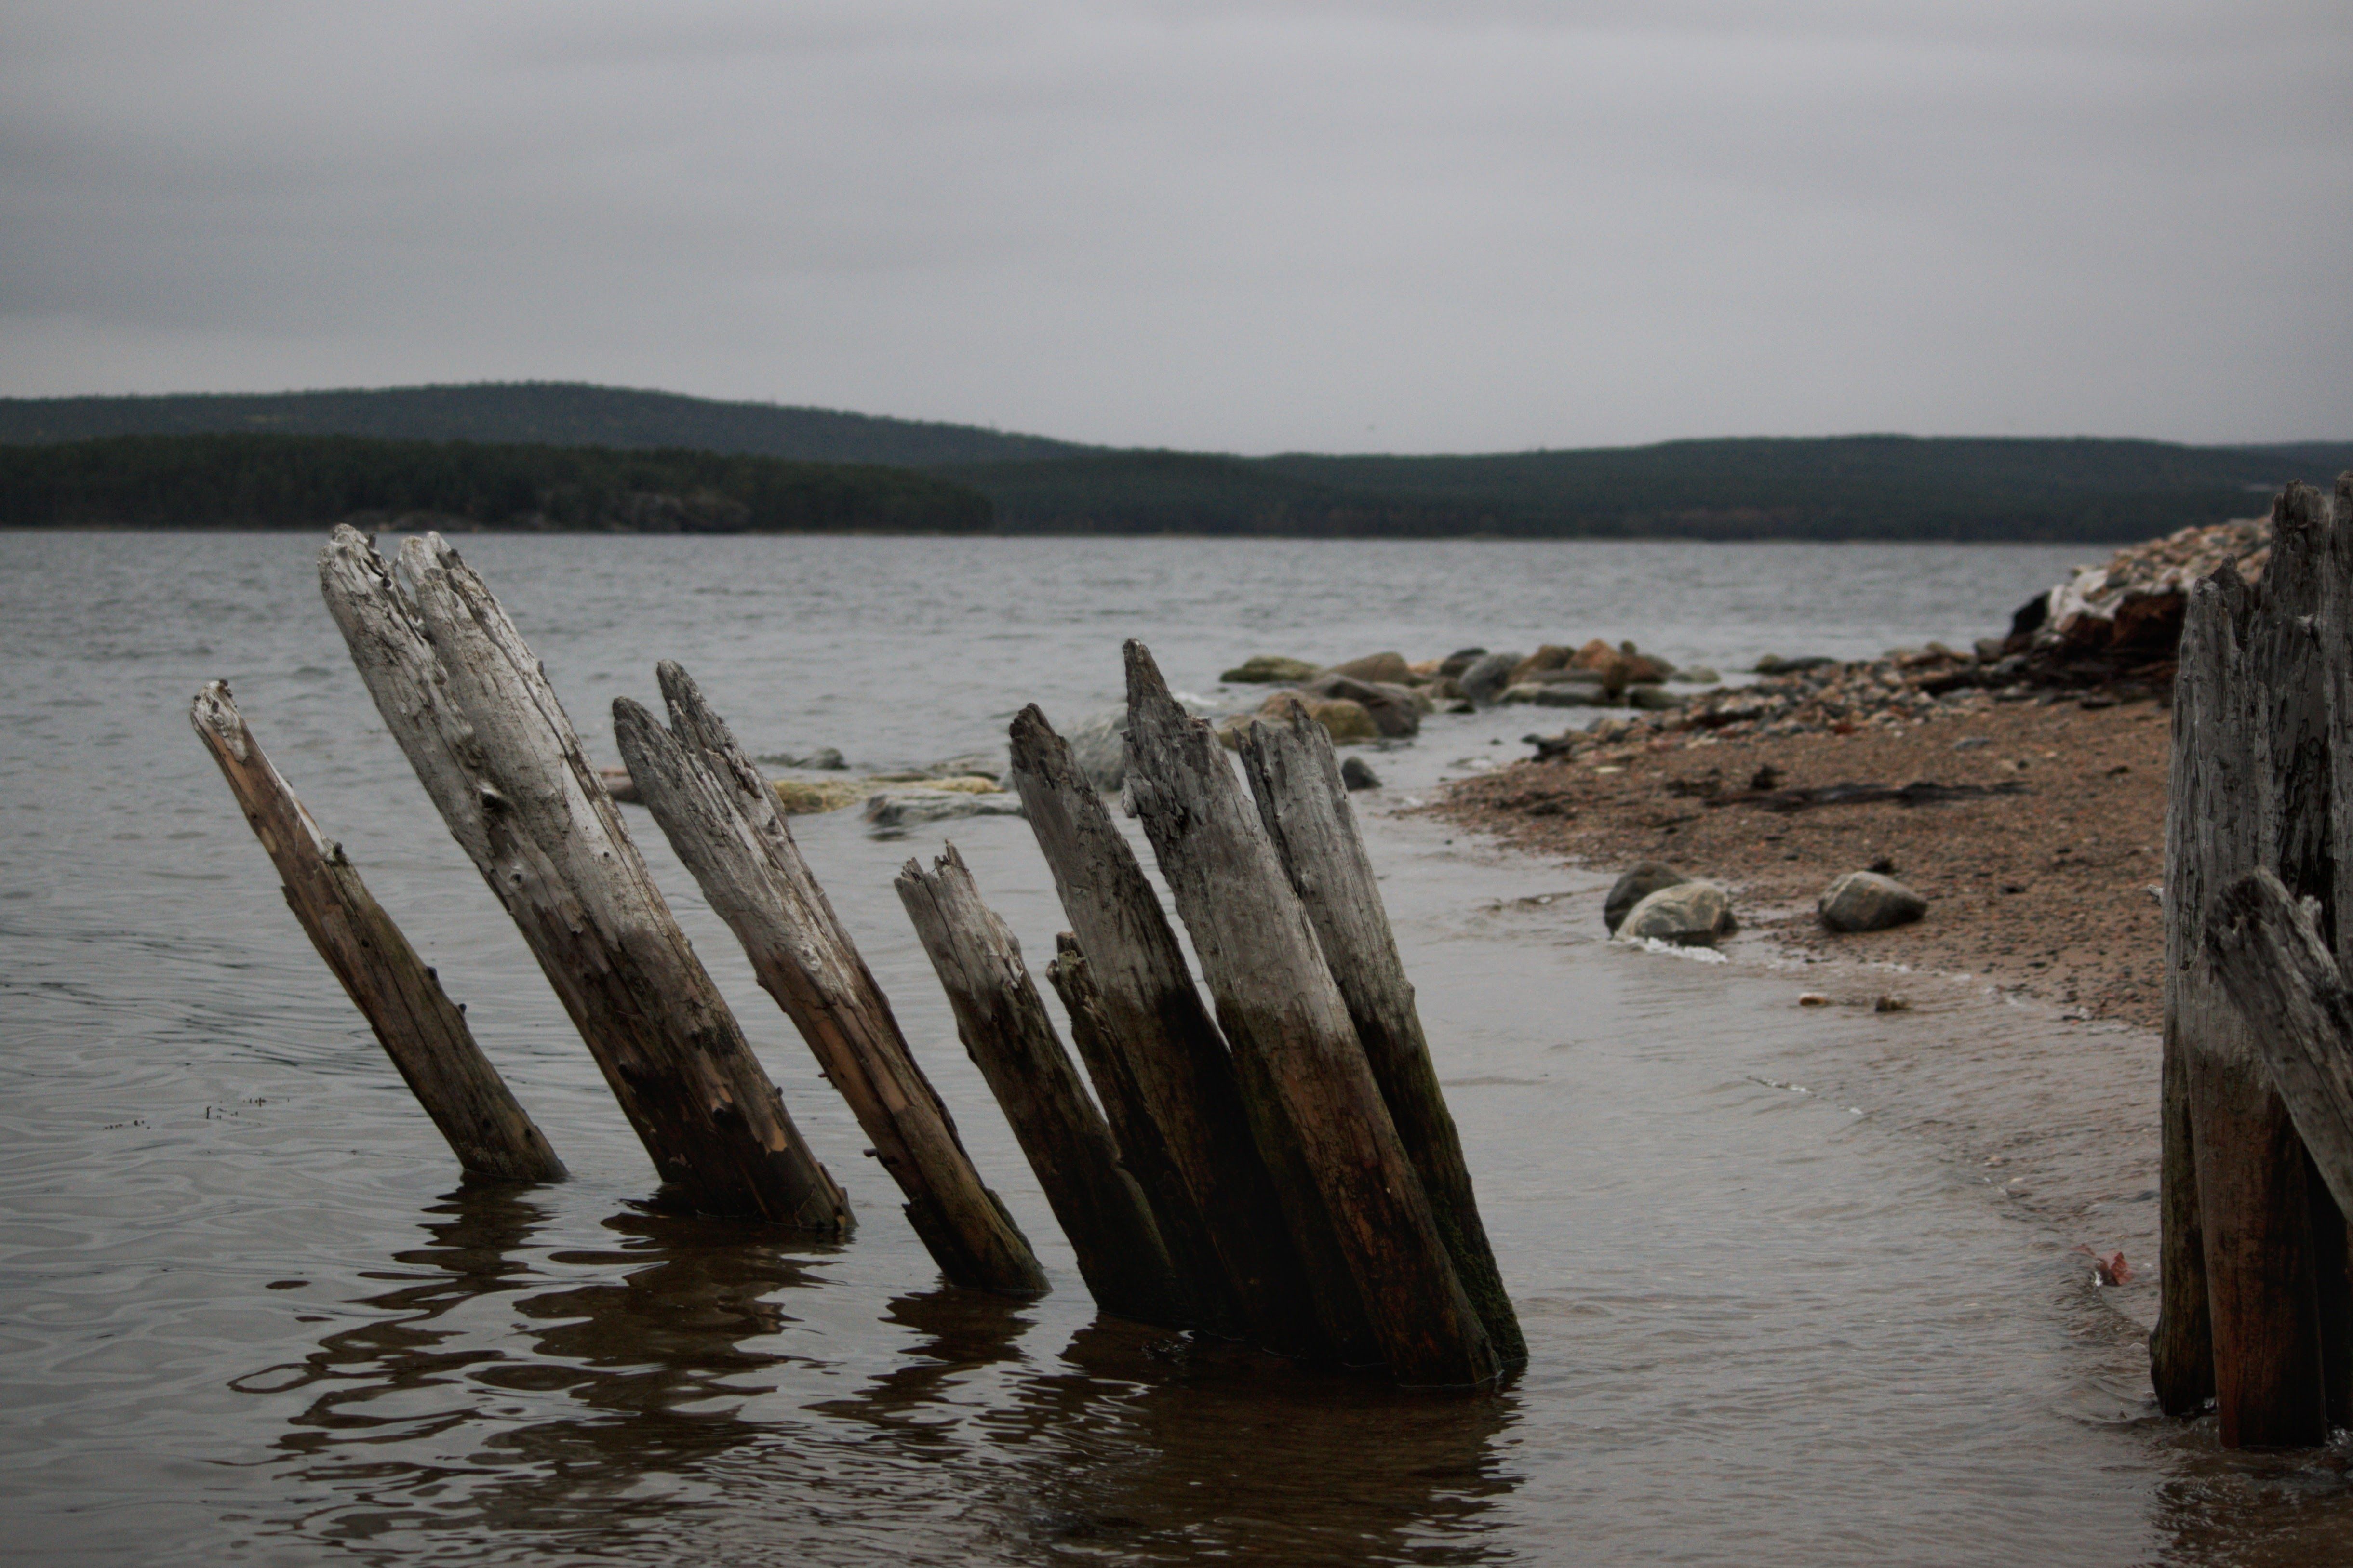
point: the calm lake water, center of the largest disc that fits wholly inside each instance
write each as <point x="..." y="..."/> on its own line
<point x="247" y="1313"/>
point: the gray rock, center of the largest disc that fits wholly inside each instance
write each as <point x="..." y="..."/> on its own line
<point x="1654" y="698"/>
<point x="1972" y="743"/>
<point x="1565" y="694"/>
<point x="1769" y="665"/>
<point x="825" y="758"/>
<point x="899" y="808"/>
<point x="1866" y="900"/>
<point x="1099" y="746"/>
<point x="972" y="764"/>
<point x="1461" y="659"/>
<point x="1357" y="775"/>
<point x="1486" y="677"/>
<point x="1395" y="709"/>
<point x="1688" y="914"/>
<point x="1634" y="887"/>
<point x="1697" y="675"/>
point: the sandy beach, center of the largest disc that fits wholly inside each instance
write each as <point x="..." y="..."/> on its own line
<point x="2046" y="892"/>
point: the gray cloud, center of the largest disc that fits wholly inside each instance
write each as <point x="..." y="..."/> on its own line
<point x="1261" y="226"/>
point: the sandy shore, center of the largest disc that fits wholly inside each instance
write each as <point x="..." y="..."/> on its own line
<point x="2047" y="891"/>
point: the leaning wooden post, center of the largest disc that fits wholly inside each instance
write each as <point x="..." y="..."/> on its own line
<point x="461" y="693"/>
<point x="422" y="1031"/>
<point x="1003" y="1024"/>
<point x="1295" y="779"/>
<point x="719" y="814"/>
<point x="1277" y="1000"/>
<point x="2269" y="955"/>
<point x="2209" y="839"/>
<point x="1160" y="1065"/>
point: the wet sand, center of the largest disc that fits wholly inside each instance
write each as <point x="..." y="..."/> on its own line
<point x="2045" y="893"/>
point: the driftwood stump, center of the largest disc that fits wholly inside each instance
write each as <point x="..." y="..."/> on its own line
<point x="1160" y="1065"/>
<point x="1295" y="779"/>
<point x="1005" y="1028"/>
<point x="719" y="814"/>
<point x="461" y="693"/>
<point x="1280" y="1008"/>
<point x="422" y="1031"/>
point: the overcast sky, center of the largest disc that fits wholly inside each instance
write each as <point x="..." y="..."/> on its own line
<point x="1454" y="226"/>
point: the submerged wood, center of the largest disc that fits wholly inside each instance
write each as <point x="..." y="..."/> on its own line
<point x="461" y="693"/>
<point x="422" y="1031"/>
<point x="1160" y="1065"/>
<point x="2269" y="955"/>
<point x="1280" y="1007"/>
<point x="715" y="808"/>
<point x="1294" y="777"/>
<point x="1005" y="1028"/>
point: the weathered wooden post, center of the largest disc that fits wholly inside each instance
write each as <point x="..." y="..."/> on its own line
<point x="2259" y="770"/>
<point x="1295" y="779"/>
<point x="2268" y="953"/>
<point x="1160" y="1065"/>
<point x="1004" y="1026"/>
<point x="1278" y="1003"/>
<point x="718" y="812"/>
<point x="422" y="1031"/>
<point x="461" y="693"/>
<point x="2303" y="583"/>
<point x="2212" y="834"/>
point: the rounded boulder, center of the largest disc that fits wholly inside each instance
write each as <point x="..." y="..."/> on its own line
<point x="1866" y="900"/>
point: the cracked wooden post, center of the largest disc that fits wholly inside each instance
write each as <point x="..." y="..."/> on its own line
<point x="718" y="812"/>
<point x="1160" y="1065"/>
<point x="2303" y="597"/>
<point x="422" y="1031"/>
<point x="1005" y="1028"/>
<point x="1278" y="1003"/>
<point x="1295" y="779"/>
<point x="461" y="693"/>
<point x="2254" y="777"/>
<point x="2269" y="955"/>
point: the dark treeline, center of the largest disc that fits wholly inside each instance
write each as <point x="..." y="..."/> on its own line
<point x="301" y="481"/>
<point x="533" y="413"/>
<point x="1862" y="487"/>
<point x="1866" y="487"/>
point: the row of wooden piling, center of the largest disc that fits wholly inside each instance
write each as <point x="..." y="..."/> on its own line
<point x="2257" y="1092"/>
<point x="1275" y="1166"/>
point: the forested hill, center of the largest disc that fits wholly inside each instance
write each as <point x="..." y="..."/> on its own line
<point x="307" y="481"/>
<point x="542" y="413"/>
<point x="1860" y="487"/>
<point x="1857" y="487"/>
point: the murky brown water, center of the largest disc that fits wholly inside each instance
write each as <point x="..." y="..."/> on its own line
<point x="1779" y="1309"/>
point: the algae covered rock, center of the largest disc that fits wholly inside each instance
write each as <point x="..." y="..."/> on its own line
<point x="1271" y="669"/>
<point x="806" y="797"/>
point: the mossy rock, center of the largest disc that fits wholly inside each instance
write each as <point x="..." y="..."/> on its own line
<point x="1268" y="670"/>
